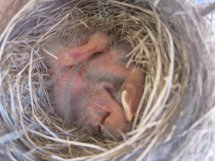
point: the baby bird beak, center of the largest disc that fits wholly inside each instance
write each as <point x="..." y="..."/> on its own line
<point x="132" y="90"/>
<point x="126" y="106"/>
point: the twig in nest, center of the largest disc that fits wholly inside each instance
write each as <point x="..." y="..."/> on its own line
<point x="207" y="10"/>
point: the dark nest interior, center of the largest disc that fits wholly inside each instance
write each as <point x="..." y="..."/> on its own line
<point x="167" y="39"/>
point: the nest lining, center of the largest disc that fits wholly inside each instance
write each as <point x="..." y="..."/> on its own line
<point x="166" y="43"/>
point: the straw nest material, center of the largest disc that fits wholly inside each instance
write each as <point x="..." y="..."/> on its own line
<point x="167" y="40"/>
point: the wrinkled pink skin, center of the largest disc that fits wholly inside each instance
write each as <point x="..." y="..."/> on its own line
<point x="86" y="86"/>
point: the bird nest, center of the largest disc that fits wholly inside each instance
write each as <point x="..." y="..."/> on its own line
<point x="165" y="38"/>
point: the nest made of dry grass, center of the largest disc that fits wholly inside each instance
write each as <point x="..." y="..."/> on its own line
<point x="167" y="40"/>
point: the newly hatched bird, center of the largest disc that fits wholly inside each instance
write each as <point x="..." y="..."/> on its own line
<point x="94" y="89"/>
